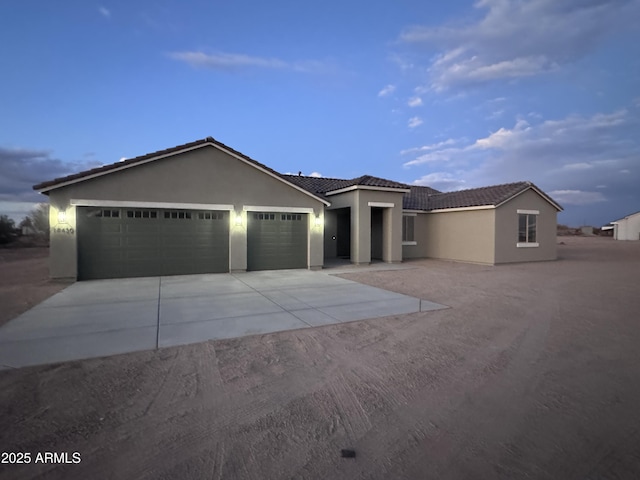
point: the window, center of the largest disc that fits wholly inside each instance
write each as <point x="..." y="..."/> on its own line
<point x="408" y="229"/>
<point x="210" y="215"/>
<point x="289" y="216"/>
<point x="527" y="230"/>
<point x="177" y="214"/>
<point x="264" y="216"/>
<point x="142" y="214"/>
<point x="108" y="213"/>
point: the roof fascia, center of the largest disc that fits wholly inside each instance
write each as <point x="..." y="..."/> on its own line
<point x="462" y="209"/>
<point x="367" y="187"/>
<point x="188" y="149"/>
<point x="539" y="192"/>
<point x="118" y="169"/>
<point x="286" y="182"/>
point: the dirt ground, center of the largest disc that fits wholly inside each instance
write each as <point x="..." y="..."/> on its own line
<point x="24" y="280"/>
<point x="532" y="373"/>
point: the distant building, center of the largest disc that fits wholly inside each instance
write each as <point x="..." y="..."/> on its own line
<point x="627" y="228"/>
<point x="606" y="230"/>
<point x="586" y="230"/>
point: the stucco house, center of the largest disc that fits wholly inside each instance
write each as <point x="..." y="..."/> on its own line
<point x="203" y="207"/>
<point x="627" y="228"/>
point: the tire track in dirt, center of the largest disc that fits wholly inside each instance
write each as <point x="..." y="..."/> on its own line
<point x="350" y="412"/>
<point x="408" y="435"/>
<point x="175" y="405"/>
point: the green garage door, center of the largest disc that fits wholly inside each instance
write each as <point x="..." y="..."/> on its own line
<point x="133" y="242"/>
<point x="276" y="240"/>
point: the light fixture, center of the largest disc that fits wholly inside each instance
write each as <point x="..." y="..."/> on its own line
<point x="62" y="216"/>
<point x="239" y="220"/>
<point x="318" y="221"/>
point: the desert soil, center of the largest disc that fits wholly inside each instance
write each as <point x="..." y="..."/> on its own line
<point x="24" y="280"/>
<point x="532" y="373"/>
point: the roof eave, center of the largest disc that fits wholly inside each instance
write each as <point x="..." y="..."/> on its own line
<point x="531" y="186"/>
<point x="367" y="187"/>
<point x="205" y="143"/>
<point x="462" y="209"/>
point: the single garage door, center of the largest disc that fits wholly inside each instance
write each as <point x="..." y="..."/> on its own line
<point x="276" y="240"/>
<point x="132" y="242"/>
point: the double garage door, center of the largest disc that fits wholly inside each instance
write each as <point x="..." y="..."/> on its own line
<point x="132" y="242"/>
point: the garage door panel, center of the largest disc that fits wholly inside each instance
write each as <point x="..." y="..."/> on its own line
<point x="139" y="242"/>
<point x="276" y="241"/>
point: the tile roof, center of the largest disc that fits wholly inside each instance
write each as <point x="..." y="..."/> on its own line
<point x="323" y="185"/>
<point x="425" y="198"/>
<point x="147" y="156"/>
<point x="476" y="197"/>
<point x="318" y="185"/>
<point x="418" y="197"/>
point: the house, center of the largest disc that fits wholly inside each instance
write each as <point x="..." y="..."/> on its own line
<point x="203" y="207"/>
<point x="627" y="228"/>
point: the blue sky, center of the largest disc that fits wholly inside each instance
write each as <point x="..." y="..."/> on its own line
<point x="452" y="95"/>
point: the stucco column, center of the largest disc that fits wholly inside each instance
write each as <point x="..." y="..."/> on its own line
<point x="316" y="240"/>
<point x="238" y="240"/>
<point x="63" y="242"/>
<point x="360" y="232"/>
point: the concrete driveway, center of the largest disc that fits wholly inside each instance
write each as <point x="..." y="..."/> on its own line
<point x="109" y="317"/>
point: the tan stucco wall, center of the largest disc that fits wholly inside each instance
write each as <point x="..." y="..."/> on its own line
<point x="419" y="250"/>
<point x="466" y="236"/>
<point x="506" y="250"/>
<point x="206" y="176"/>
<point x="359" y="200"/>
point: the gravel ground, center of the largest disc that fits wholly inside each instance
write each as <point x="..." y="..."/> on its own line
<point x="532" y="373"/>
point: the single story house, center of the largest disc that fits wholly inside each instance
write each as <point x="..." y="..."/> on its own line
<point x="627" y="228"/>
<point x="203" y="207"/>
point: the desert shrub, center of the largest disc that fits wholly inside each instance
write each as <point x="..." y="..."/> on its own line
<point x="7" y="230"/>
<point x="39" y="219"/>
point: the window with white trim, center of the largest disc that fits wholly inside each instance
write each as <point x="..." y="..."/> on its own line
<point x="408" y="228"/>
<point x="527" y="229"/>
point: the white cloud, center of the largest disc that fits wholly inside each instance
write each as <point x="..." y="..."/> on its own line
<point x="577" y="197"/>
<point x="557" y="142"/>
<point x="122" y="159"/>
<point x="387" y="90"/>
<point x="414" y="102"/>
<point x="315" y="174"/>
<point x="515" y="39"/>
<point x="234" y="61"/>
<point x="414" y="122"/>
<point x="104" y="12"/>
<point x="427" y="148"/>
<point x="577" y="166"/>
<point x="495" y="114"/>
<point x="566" y="155"/>
<point x="443" y="181"/>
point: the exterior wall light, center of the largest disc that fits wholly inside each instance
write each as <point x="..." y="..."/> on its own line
<point x="318" y="221"/>
<point x="238" y="220"/>
<point x="62" y="216"/>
